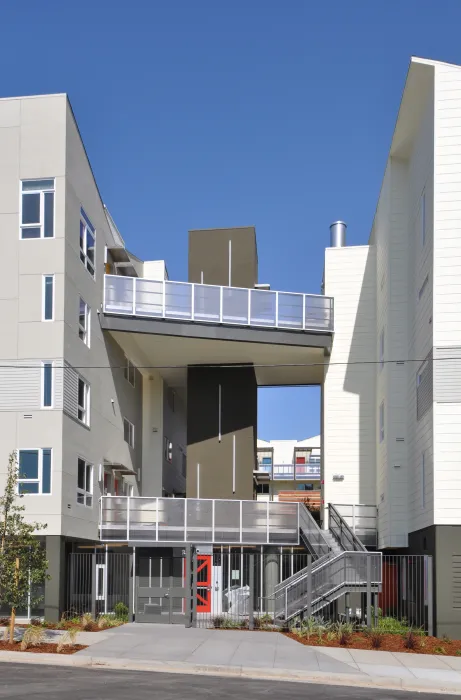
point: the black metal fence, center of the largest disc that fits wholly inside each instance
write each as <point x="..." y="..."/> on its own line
<point x="96" y="581"/>
<point x="236" y="587"/>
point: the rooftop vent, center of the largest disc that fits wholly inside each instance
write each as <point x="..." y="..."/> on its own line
<point x="338" y="234"/>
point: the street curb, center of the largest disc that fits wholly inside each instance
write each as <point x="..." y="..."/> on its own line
<point x="274" y="674"/>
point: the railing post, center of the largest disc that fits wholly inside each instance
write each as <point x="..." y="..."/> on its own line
<point x="251" y="583"/>
<point x="104" y="294"/>
<point x="164" y="299"/>
<point x="304" y="311"/>
<point x="185" y="520"/>
<point x="192" y="306"/>
<point x="430" y="596"/>
<point x="309" y="586"/>
<point x="249" y="307"/>
<point x="188" y="582"/>
<point x="267" y="522"/>
<point x="369" y="622"/>
<point x="276" y="309"/>
<point x="156" y="521"/>
<point x="128" y="504"/>
<point x="220" y="304"/>
<point x="212" y="519"/>
<point x="241" y="523"/>
<point x="134" y="296"/>
<point x="194" y="588"/>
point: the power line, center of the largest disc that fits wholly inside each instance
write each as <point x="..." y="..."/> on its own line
<point x="244" y="364"/>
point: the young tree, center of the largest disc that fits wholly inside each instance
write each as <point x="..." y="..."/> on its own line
<point x="23" y="564"/>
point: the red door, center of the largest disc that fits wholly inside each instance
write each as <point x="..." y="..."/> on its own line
<point x="204" y="583"/>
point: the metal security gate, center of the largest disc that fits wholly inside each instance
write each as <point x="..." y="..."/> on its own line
<point x="161" y="594"/>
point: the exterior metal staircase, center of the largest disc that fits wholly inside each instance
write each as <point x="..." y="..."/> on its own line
<point x="340" y="564"/>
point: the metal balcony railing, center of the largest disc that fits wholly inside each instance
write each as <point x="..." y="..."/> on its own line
<point x="185" y="301"/>
<point x="288" y="471"/>
<point x="197" y="520"/>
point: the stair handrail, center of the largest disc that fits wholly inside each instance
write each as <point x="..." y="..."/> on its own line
<point x="345" y="569"/>
<point x="315" y="540"/>
<point x="342" y="532"/>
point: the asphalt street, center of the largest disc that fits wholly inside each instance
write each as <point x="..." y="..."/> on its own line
<point x="26" y="682"/>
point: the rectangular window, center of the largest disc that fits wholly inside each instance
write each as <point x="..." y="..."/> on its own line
<point x="423" y="218"/>
<point x="381" y="349"/>
<point x="47" y="384"/>
<point x="83" y="401"/>
<point x="37" y="209"/>
<point x="87" y="243"/>
<point x="34" y="471"/>
<point x="48" y="298"/>
<point x="130" y="372"/>
<point x="128" y="432"/>
<point x="423" y="480"/>
<point x="381" y="422"/>
<point x="84" y="483"/>
<point x="84" y="322"/>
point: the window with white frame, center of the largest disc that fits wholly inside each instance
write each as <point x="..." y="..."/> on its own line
<point x="83" y="409"/>
<point x="48" y="298"/>
<point x="87" y="243"/>
<point x="423" y="479"/>
<point x="423" y="217"/>
<point x="84" y="322"/>
<point x="381" y="422"/>
<point x="381" y="349"/>
<point x="130" y="372"/>
<point x="84" y="483"/>
<point x="34" y="471"/>
<point x="37" y="209"/>
<point x="47" y="385"/>
<point x="128" y="432"/>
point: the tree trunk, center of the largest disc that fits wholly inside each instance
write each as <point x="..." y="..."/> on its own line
<point x="13" y="610"/>
<point x="12" y="623"/>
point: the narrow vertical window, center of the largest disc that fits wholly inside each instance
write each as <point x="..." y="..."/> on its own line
<point x="47" y="385"/>
<point x="84" y="483"/>
<point x="84" y="322"/>
<point x="83" y="412"/>
<point x="128" y="432"/>
<point x="48" y="298"/>
<point x="87" y="243"/>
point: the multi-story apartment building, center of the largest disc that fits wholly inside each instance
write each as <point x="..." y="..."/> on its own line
<point x="391" y="394"/>
<point x="116" y="380"/>
<point x="288" y="470"/>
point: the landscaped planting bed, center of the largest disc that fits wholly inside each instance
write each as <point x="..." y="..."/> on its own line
<point x="388" y="642"/>
<point x="44" y="648"/>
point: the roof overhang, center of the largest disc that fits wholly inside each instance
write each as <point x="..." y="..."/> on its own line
<point x="122" y="469"/>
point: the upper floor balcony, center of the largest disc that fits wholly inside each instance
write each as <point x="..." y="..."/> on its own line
<point x="189" y="302"/>
<point x="290" y="472"/>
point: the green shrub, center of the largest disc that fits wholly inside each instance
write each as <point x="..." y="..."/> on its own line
<point x="121" y="611"/>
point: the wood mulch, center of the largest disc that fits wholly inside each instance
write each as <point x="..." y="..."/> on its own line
<point x="45" y="648"/>
<point x="389" y="642"/>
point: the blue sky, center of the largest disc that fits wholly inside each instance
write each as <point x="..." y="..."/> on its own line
<point x="202" y="113"/>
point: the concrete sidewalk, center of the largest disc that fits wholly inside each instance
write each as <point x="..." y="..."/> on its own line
<point x="263" y="655"/>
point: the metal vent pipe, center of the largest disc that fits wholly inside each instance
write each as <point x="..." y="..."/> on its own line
<point x="338" y="234"/>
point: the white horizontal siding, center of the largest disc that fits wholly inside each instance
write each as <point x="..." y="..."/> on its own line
<point x="21" y="385"/>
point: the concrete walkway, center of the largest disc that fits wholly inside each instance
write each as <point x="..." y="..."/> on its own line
<point x="263" y="655"/>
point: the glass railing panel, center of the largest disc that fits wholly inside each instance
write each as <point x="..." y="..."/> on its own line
<point x="262" y="308"/>
<point x="178" y="300"/>
<point x="207" y="303"/>
<point x="235" y="305"/>
<point x="290" y="310"/>
<point x="149" y="297"/>
<point x="119" y="294"/>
